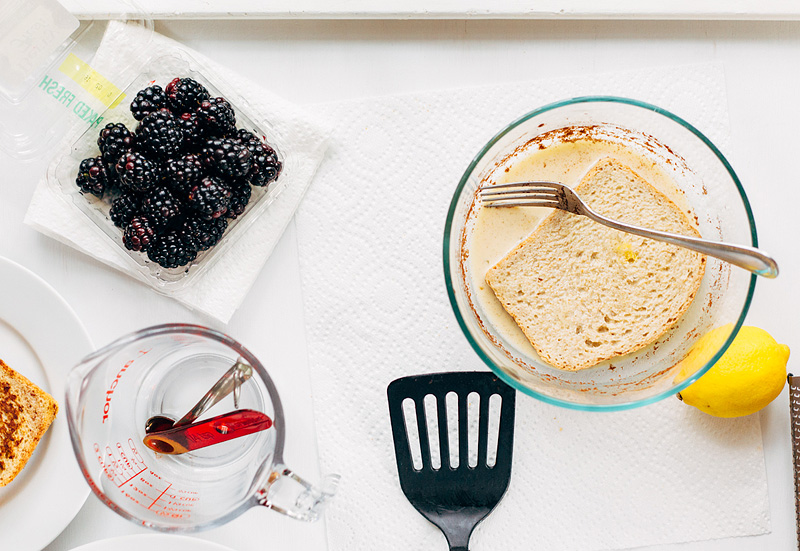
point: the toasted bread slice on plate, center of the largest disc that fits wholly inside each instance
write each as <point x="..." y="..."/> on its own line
<point x="26" y="412"/>
<point x="582" y="292"/>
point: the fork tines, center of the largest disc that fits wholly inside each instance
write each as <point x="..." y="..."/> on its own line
<point x="517" y="194"/>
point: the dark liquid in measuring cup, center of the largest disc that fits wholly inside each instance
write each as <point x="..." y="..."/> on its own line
<point x="158" y="423"/>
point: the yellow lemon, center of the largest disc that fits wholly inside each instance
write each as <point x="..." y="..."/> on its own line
<point x="749" y="375"/>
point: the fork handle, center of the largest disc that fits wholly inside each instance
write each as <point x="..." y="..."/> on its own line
<point x="745" y="257"/>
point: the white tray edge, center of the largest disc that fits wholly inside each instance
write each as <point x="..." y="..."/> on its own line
<point x="449" y="9"/>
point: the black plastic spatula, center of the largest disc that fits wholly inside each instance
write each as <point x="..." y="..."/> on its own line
<point x="454" y="498"/>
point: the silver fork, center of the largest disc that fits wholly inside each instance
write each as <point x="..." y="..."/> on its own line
<point x="559" y="196"/>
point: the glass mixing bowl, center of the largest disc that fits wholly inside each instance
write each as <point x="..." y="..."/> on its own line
<point x="706" y="183"/>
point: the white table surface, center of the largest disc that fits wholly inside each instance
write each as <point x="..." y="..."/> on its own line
<point x="317" y="61"/>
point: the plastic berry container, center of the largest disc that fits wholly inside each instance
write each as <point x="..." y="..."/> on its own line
<point x="53" y="82"/>
<point x="65" y="79"/>
<point x="161" y="70"/>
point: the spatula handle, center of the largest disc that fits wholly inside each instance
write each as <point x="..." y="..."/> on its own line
<point x="459" y="534"/>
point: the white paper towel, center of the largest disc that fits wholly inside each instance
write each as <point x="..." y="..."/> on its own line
<point x="220" y="290"/>
<point x="370" y="237"/>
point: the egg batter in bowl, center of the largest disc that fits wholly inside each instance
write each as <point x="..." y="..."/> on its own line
<point x="561" y="143"/>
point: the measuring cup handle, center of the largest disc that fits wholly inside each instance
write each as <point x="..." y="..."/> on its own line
<point x="287" y="493"/>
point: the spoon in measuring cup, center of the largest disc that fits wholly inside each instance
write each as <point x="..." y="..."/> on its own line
<point x="216" y="430"/>
<point x="231" y="381"/>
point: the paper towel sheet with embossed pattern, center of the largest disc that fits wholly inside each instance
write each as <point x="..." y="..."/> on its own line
<point x="376" y="309"/>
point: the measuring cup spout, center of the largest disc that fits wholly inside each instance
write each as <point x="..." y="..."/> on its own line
<point x="287" y="493"/>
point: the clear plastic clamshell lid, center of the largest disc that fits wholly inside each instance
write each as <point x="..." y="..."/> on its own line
<point x="48" y="85"/>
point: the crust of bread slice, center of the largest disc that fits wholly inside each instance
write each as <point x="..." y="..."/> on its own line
<point x="26" y="412"/>
<point x="582" y="292"/>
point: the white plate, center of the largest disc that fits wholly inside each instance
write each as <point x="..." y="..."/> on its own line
<point x="41" y="338"/>
<point x="152" y="542"/>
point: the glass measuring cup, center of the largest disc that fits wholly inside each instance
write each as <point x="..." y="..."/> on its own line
<point x="163" y="370"/>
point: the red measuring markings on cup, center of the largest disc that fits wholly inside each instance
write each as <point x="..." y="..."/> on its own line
<point x="125" y="467"/>
<point x="115" y="382"/>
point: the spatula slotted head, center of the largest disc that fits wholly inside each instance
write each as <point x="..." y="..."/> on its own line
<point x="454" y="495"/>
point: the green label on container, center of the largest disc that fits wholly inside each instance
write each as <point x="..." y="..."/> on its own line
<point x="65" y="97"/>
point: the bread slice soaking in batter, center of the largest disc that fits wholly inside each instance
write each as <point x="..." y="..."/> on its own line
<point x="582" y="292"/>
<point x="26" y="412"/>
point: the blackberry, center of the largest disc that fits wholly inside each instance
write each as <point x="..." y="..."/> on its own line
<point x="113" y="177"/>
<point x="124" y="208"/>
<point x="189" y="234"/>
<point x="139" y="234"/>
<point x="266" y="166"/>
<point x="93" y="176"/>
<point x="160" y="207"/>
<point x="185" y="95"/>
<point x="192" y="135"/>
<point x="159" y="135"/>
<point x="226" y="157"/>
<point x="182" y="174"/>
<point x="270" y="173"/>
<point x="171" y="250"/>
<point x="216" y="117"/>
<point x="240" y="196"/>
<point x="114" y="141"/>
<point x="137" y="172"/>
<point x="148" y="100"/>
<point x="205" y="233"/>
<point x="210" y="198"/>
